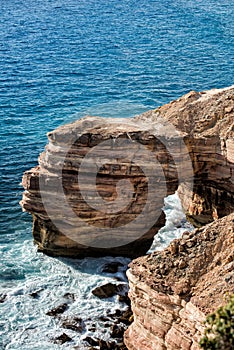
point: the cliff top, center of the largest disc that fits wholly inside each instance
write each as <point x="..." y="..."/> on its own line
<point x="199" y="113"/>
<point x="199" y="266"/>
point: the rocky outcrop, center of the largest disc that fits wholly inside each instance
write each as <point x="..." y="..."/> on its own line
<point x="99" y="189"/>
<point x="172" y="291"/>
<point x="100" y="184"/>
<point x="207" y="121"/>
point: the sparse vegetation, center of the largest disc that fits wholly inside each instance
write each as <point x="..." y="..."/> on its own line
<point x="219" y="334"/>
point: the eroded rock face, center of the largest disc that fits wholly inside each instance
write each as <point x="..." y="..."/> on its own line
<point x="207" y="121"/>
<point x="189" y="140"/>
<point x="65" y="222"/>
<point x="172" y="291"/>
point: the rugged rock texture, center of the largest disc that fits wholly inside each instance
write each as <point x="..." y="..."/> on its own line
<point x="172" y="291"/>
<point x="207" y="121"/>
<point x="190" y="140"/>
<point x="67" y="223"/>
<point x="152" y="157"/>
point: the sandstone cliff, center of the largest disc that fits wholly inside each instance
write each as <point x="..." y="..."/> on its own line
<point x="94" y="209"/>
<point x="207" y="121"/>
<point x="118" y="209"/>
<point x="104" y="153"/>
<point x="172" y="291"/>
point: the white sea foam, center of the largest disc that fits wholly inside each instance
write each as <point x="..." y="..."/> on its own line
<point x="23" y="320"/>
<point x="176" y="224"/>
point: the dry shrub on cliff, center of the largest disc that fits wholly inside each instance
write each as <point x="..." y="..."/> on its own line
<point x="219" y="334"/>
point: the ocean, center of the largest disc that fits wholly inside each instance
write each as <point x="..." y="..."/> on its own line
<point x="61" y="60"/>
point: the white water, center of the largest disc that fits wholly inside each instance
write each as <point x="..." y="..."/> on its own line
<point x="176" y="224"/>
<point x="24" y="324"/>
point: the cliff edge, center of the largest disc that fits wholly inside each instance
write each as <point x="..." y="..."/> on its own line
<point x="99" y="189"/>
<point x="206" y="120"/>
<point x="100" y="183"/>
<point x="173" y="291"/>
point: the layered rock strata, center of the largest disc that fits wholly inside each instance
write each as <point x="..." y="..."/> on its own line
<point x="100" y="185"/>
<point x="117" y="210"/>
<point x="172" y="291"/>
<point x="207" y="121"/>
<point x="85" y="200"/>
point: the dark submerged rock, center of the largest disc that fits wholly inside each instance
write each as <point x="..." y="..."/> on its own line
<point x="2" y="298"/>
<point x="57" y="310"/>
<point x="69" y="296"/>
<point x="91" y="341"/>
<point x="117" y="331"/>
<point x="112" y="267"/>
<point x="36" y="294"/>
<point x="108" y="290"/>
<point x="63" y="338"/>
<point x="75" y="324"/>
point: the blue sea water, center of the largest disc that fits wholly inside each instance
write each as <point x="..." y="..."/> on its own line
<point x="61" y="60"/>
